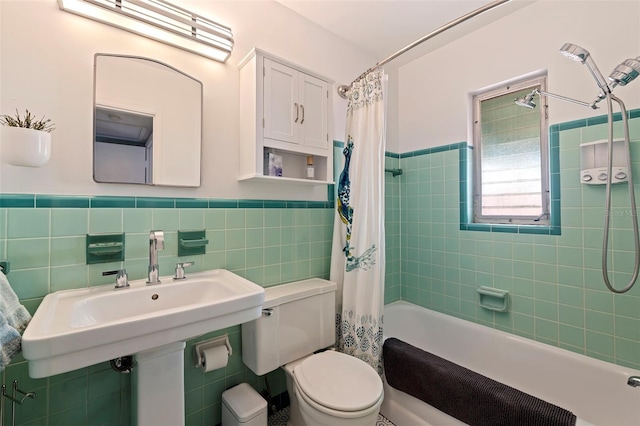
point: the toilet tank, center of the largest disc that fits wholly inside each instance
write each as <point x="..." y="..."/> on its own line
<point x="298" y="319"/>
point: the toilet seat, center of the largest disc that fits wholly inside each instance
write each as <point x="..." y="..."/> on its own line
<point x="338" y="383"/>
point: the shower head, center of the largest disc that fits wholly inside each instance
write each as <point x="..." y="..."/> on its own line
<point x="527" y="101"/>
<point x="578" y="54"/>
<point x="626" y="72"/>
<point x="574" y="52"/>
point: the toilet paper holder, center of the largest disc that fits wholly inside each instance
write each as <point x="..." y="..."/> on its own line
<point x="207" y="344"/>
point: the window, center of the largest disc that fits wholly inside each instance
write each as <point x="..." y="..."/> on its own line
<point x="511" y="179"/>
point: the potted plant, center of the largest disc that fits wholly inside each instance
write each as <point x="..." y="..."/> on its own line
<point x="26" y="140"/>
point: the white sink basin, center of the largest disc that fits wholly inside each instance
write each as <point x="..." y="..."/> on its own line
<point x="76" y="328"/>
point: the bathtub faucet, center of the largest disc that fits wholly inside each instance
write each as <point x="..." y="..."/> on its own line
<point x="156" y="242"/>
<point x="634" y="381"/>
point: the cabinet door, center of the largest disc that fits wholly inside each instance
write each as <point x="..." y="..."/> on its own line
<point x="281" y="107"/>
<point x="313" y="112"/>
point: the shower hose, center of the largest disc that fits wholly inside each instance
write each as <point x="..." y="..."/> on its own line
<point x="632" y="199"/>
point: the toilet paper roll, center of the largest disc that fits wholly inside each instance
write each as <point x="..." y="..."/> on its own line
<point x="214" y="358"/>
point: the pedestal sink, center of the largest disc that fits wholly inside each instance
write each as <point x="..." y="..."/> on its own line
<point x="73" y="329"/>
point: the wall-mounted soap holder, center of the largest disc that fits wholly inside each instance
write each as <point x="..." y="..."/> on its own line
<point x="593" y="162"/>
<point x="191" y="242"/>
<point x="493" y="299"/>
<point x="105" y="248"/>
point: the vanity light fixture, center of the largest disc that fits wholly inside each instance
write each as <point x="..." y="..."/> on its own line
<point x="161" y="21"/>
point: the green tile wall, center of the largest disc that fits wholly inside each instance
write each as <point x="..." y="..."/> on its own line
<point x="268" y="242"/>
<point x="556" y="290"/>
<point x="392" y="230"/>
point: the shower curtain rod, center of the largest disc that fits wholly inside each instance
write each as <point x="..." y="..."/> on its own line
<point x="343" y="89"/>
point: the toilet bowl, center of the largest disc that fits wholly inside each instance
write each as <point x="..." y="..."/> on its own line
<point x="331" y="389"/>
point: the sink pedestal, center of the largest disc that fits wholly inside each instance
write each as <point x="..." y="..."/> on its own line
<point x="158" y="386"/>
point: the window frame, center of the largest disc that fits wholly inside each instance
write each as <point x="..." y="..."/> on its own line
<point x="504" y="89"/>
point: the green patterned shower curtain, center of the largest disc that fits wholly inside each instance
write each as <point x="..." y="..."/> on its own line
<point x="358" y="260"/>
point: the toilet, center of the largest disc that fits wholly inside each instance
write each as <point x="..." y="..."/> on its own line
<point x="326" y="387"/>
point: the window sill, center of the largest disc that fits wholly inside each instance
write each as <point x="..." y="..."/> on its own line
<point x="512" y="229"/>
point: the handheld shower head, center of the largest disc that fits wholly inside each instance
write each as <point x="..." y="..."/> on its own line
<point x="626" y="72"/>
<point x="578" y="54"/>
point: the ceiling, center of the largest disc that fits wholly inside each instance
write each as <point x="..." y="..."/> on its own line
<point x="382" y="27"/>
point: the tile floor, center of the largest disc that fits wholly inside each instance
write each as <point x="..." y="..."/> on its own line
<point x="280" y="419"/>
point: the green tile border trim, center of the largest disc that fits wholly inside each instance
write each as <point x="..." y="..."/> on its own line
<point x="592" y="121"/>
<point x="99" y="201"/>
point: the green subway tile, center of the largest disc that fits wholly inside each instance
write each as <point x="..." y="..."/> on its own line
<point x="236" y="219"/>
<point x="136" y="246"/>
<point x="191" y="219"/>
<point x="275" y="204"/>
<point x="105" y="220"/>
<point x="27" y="223"/>
<point x="235" y="239"/>
<point x="69" y="277"/>
<point x="235" y="259"/>
<point x="61" y="201"/>
<point x="546" y="310"/>
<point x="600" y="343"/>
<point x="222" y="204"/>
<point x="598" y="321"/>
<point x="17" y="200"/>
<point x="112" y="202"/>
<point x="254" y="238"/>
<point x="214" y="219"/>
<point x="192" y="203"/>
<point x="627" y="349"/>
<point x="75" y="415"/>
<point x="68" y="393"/>
<point x="154" y="203"/>
<point x="250" y="204"/>
<point x="166" y="219"/>
<point x="254" y="218"/>
<point x="573" y="336"/>
<point x="547" y="330"/>
<point x="599" y="301"/>
<point x="30" y="283"/>
<point x="103" y="409"/>
<point x="627" y="328"/>
<point x="68" y="251"/>
<point x="28" y="253"/>
<point x="137" y="220"/>
<point x="68" y="222"/>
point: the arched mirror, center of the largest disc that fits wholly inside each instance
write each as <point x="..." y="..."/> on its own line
<point x="147" y="122"/>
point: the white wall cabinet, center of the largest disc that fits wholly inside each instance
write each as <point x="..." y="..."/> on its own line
<point x="284" y="110"/>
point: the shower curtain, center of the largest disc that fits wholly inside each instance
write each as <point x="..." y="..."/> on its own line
<point x="357" y="261"/>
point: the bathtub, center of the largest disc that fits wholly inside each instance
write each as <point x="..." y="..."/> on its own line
<point x="595" y="391"/>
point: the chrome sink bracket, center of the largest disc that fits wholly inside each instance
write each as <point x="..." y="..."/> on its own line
<point x="634" y="381"/>
<point x="14" y="400"/>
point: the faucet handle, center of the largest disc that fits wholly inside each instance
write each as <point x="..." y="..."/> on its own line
<point x="180" y="270"/>
<point x="122" y="278"/>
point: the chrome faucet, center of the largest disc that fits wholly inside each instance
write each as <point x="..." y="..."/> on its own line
<point x="156" y="242"/>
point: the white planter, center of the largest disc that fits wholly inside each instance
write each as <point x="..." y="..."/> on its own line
<point x="25" y="147"/>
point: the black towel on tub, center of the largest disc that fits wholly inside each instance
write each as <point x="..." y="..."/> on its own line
<point x="468" y="396"/>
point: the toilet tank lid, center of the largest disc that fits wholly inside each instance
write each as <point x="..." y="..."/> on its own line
<point x="244" y="402"/>
<point x="284" y="293"/>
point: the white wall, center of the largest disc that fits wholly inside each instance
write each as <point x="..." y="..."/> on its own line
<point x="46" y="58"/>
<point x="433" y="90"/>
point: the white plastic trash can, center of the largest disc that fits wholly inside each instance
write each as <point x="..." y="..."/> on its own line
<point x="242" y="405"/>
